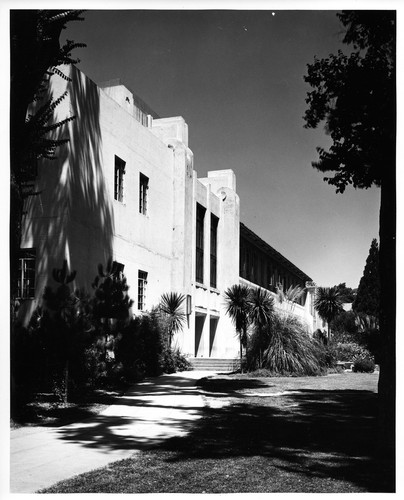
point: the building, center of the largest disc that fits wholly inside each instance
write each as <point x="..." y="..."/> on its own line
<point x="124" y="187"/>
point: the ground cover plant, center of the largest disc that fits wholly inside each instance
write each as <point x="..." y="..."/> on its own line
<point x="283" y="434"/>
<point x="46" y="410"/>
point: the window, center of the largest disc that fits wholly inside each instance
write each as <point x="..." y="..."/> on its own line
<point x="117" y="269"/>
<point x="200" y="219"/>
<point x="118" y="180"/>
<point x="213" y="250"/>
<point x="143" y="187"/>
<point x="141" y="290"/>
<point x="26" y="274"/>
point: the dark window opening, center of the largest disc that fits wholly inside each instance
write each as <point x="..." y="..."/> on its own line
<point x="143" y="187"/>
<point x="118" y="181"/>
<point x="213" y="250"/>
<point x="200" y="219"/>
<point x="26" y="274"/>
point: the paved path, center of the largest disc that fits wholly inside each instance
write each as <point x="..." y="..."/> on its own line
<point x="148" y="413"/>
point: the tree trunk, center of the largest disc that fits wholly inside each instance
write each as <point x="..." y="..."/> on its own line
<point x="241" y="355"/>
<point x="66" y="374"/>
<point x="387" y="263"/>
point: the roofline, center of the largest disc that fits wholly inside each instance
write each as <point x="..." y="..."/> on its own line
<point x="141" y="104"/>
<point x="274" y="253"/>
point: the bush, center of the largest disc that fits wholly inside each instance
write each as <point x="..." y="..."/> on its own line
<point x="174" y="361"/>
<point x="139" y="347"/>
<point x="364" y="365"/>
<point x="344" y="327"/>
<point x="291" y="351"/>
<point x="371" y="340"/>
<point x="349" y="351"/>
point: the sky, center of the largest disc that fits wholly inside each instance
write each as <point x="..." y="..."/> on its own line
<point x="236" y="77"/>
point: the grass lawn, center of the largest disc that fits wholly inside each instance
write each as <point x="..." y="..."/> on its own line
<point x="314" y="434"/>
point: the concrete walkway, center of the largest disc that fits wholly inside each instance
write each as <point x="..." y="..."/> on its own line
<point x="150" y="412"/>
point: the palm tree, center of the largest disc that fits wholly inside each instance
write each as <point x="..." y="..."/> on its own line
<point x="328" y="304"/>
<point x="237" y="299"/>
<point x="171" y="306"/>
<point x="261" y="313"/>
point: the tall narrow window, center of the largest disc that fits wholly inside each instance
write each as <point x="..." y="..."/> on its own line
<point x="200" y="218"/>
<point x="141" y="290"/>
<point x="213" y="250"/>
<point x="118" y="181"/>
<point x="26" y="274"/>
<point x="143" y="187"/>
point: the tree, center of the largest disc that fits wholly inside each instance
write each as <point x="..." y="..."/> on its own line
<point x="237" y="299"/>
<point x="368" y="297"/>
<point x="171" y="306"/>
<point x="355" y="96"/>
<point x="261" y="313"/>
<point x="63" y="306"/>
<point x="348" y="294"/>
<point x="34" y="54"/>
<point x="111" y="302"/>
<point x="328" y="304"/>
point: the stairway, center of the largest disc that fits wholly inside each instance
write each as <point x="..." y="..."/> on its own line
<point x="215" y="364"/>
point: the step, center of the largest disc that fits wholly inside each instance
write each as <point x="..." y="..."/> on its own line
<point x="215" y="364"/>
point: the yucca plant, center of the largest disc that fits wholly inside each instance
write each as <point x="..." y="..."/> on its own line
<point x="328" y="304"/>
<point x="289" y="296"/>
<point x="237" y="300"/>
<point x="171" y="306"/>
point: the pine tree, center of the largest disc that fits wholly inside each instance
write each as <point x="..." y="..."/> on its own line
<point x="368" y="297"/>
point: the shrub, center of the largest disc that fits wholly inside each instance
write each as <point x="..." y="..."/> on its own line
<point x="364" y="365"/>
<point x="174" y="361"/>
<point x="349" y="351"/>
<point x="291" y="351"/>
<point x="139" y="346"/>
<point x="371" y="340"/>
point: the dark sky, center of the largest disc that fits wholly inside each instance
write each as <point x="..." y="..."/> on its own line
<point x="237" y="79"/>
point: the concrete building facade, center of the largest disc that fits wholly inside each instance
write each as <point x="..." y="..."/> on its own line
<point x="125" y="187"/>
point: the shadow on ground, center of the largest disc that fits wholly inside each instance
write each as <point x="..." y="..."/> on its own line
<point x="320" y="434"/>
<point x="230" y="386"/>
<point x="325" y="437"/>
<point x="139" y="421"/>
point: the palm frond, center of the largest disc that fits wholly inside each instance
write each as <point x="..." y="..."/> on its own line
<point x="261" y="307"/>
<point x="328" y="303"/>
<point x="171" y="305"/>
<point x="237" y="300"/>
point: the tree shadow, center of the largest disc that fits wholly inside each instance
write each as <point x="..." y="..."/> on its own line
<point x="142" y="418"/>
<point x="72" y="217"/>
<point x="321" y="434"/>
<point x="230" y="386"/>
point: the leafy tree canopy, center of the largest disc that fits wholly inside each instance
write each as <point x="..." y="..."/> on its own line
<point x="355" y="96"/>
<point x="347" y="294"/>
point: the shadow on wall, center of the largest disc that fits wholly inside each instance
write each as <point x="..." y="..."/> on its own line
<point x="72" y="217"/>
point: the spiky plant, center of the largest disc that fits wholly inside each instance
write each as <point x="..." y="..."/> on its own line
<point x="261" y="312"/>
<point x="328" y="304"/>
<point x="237" y="300"/>
<point x="171" y="306"/>
<point x="291" y="350"/>
<point x="289" y="296"/>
